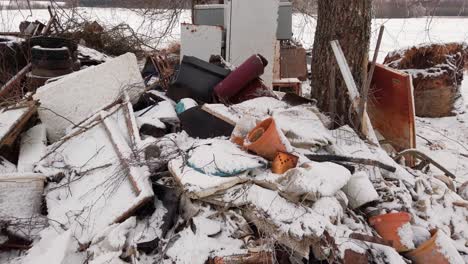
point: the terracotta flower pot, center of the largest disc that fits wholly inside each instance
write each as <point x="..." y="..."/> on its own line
<point x="283" y="162"/>
<point x="430" y="251"/>
<point x="387" y="226"/>
<point x="265" y="139"/>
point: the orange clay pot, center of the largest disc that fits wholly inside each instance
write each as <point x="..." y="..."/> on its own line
<point x="283" y="162"/>
<point x="238" y="141"/>
<point x="265" y="140"/>
<point x="428" y="252"/>
<point x="387" y="226"/>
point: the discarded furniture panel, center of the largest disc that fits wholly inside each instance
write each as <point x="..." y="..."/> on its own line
<point x="213" y="14"/>
<point x="293" y="63"/>
<point x="21" y="194"/>
<point x="21" y="198"/>
<point x="288" y="85"/>
<point x="391" y="108"/>
<point x="67" y="101"/>
<point x="32" y="148"/>
<point x="199" y="123"/>
<point x="437" y="71"/>
<point x="105" y="177"/>
<point x="201" y="41"/>
<point x="13" y="120"/>
<point x="196" y="79"/>
<point x="251" y="29"/>
<point x="199" y="185"/>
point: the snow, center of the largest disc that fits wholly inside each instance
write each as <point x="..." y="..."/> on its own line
<point x="156" y="115"/>
<point x="109" y="243"/>
<point x="314" y="180"/>
<point x="52" y="248"/>
<point x="420" y="235"/>
<point x="185" y="104"/>
<point x="6" y="167"/>
<point x="199" y="185"/>
<point x="97" y="190"/>
<point x="447" y="249"/>
<point x="223" y="158"/>
<point x="359" y="190"/>
<point x="209" y="238"/>
<point x="78" y="95"/>
<point x="9" y="118"/>
<point x="21" y="195"/>
<point x="291" y="219"/>
<point x="302" y="127"/>
<point x="405" y="232"/>
<point x="33" y="148"/>
<point x="91" y="54"/>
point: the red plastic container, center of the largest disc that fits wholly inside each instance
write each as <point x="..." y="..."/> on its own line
<point x="248" y="71"/>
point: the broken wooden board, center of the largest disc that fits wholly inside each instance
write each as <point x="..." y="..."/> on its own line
<point x="198" y="185"/>
<point x="201" y="41"/>
<point x="105" y="177"/>
<point x="293" y="63"/>
<point x="13" y="120"/>
<point x="67" y="101"/>
<point x="391" y="108"/>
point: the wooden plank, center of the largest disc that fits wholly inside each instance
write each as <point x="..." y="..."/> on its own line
<point x="391" y="109"/>
<point x="366" y="127"/>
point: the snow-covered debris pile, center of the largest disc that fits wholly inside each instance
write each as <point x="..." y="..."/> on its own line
<point x="131" y="176"/>
<point x="437" y="71"/>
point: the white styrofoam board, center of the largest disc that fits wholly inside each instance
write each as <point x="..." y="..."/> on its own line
<point x="32" y="149"/>
<point x="201" y="41"/>
<point x="251" y="29"/>
<point x="80" y="94"/>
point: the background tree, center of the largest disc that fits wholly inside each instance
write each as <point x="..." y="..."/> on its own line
<point x="348" y="21"/>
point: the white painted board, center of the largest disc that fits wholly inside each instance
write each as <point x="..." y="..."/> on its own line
<point x="251" y="29"/>
<point x="81" y="94"/>
<point x="201" y="41"/>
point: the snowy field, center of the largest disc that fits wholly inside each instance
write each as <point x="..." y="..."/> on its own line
<point x="451" y="133"/>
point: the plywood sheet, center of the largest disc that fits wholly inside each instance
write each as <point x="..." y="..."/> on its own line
<point x="391" y="107"/>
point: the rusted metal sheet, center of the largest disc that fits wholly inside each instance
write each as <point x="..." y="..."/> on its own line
<point x="293" y="63"/>
<point x="391" y="107"/>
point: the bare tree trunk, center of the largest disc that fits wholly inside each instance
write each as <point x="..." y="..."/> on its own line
<point x="348" y="21"/>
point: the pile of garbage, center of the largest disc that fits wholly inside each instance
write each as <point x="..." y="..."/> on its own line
<point x="204" y="163"/>
<point x="437" y="71"/>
